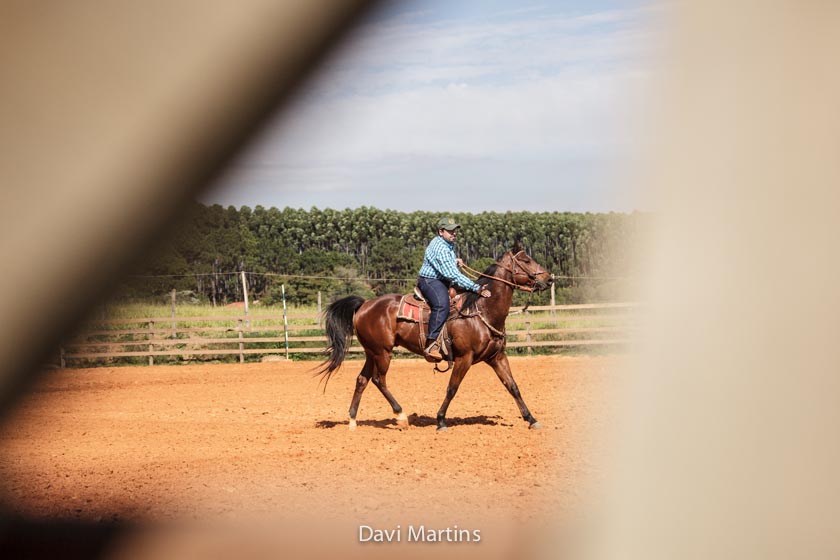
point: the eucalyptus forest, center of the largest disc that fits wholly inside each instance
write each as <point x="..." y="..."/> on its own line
<point x="371" y="251"/>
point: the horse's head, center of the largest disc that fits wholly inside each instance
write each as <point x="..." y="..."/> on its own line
<point x="526" y="271"/>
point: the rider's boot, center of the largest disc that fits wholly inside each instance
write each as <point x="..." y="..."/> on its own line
<point x="432" y="351"/>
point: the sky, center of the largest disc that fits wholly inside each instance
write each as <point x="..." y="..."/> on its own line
<point x="464" y="106"/>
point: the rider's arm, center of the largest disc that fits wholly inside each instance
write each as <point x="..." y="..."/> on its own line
<point x="444" y="262"/>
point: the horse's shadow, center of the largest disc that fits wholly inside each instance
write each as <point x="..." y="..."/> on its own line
<point x="418" y="421"/>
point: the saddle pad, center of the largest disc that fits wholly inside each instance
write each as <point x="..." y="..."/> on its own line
<point x="410" y="310"/>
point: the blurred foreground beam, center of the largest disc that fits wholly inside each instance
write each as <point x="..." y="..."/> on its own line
<point x="112" y="116"/>
<point x="729" y="442"/>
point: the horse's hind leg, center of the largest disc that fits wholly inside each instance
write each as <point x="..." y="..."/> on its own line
<point x="383" y="361"/>
<point x="501" y="366"/>
<point x="361" y="383"/>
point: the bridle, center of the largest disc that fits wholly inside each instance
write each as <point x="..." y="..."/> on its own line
<point x="516" y="266"/>
<point x="532" y="277"/>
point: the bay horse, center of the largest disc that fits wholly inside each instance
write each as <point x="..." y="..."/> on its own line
<point x="477" y="332"/>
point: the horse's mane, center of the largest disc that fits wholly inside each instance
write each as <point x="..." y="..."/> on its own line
<point x="472" y="298"/>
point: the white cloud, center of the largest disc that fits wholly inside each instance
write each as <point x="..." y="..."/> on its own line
<point x="573" y="111"/>
<point x="545" y="87"/>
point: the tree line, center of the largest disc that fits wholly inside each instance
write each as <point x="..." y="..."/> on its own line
<point x="371" y="251"/>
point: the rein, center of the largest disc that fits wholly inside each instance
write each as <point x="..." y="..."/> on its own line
<point x="529" y="289"/>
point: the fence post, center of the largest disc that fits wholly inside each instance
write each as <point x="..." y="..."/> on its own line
<point x="245" y="297"/>
<point x="528" y="333"/>
<point x="151" y="347"/>
<point x="174" y="323"/>
<point x="241" y="343"/>
<point x="319" y="309"/>
<point x="553" y="303"/>
<point x="62" y="362"/>
<point x="285" y="319"/>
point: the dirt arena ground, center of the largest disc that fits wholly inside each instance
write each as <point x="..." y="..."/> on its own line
<point x="231" y="441"/>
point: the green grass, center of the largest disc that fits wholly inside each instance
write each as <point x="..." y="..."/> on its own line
<point x="144" y="311"/>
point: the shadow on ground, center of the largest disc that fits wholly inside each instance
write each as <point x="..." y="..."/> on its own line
<point x="418" y="421"/>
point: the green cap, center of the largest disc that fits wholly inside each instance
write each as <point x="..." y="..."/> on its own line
<point x="448" y="223"/>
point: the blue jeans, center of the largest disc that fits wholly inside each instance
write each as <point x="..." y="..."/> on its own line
<point x="436" y="293"/>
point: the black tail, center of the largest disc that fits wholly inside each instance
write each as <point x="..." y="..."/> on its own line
<point x="339" y="326"/>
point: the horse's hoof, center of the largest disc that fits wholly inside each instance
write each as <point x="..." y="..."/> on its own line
<point x="535" y="426"/>
<point x="352" y="425"/>
<point x="402" y="421"/>
<point x="441" y="428"/>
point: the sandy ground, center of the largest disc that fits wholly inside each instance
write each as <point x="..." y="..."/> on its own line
<point x="233" y="441"/>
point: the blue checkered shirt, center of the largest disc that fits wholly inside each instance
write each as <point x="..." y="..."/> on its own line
<point x="440" y="262"/>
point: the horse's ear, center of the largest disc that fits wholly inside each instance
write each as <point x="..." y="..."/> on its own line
<point x="517" y="247"/>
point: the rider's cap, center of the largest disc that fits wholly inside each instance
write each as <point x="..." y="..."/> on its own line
<point x="448" y="223"/>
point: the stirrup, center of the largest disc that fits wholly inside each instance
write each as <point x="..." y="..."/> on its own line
<point x="445" y="346"/>
<point x="444" y="342"/>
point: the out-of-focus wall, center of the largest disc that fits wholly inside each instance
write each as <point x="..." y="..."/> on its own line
<point x="728" y="445"/>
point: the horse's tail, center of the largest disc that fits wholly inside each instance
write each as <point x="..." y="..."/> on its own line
<point x="339" y="326"/>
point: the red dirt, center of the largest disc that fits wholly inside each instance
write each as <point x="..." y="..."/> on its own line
<point x="228" y="441"/>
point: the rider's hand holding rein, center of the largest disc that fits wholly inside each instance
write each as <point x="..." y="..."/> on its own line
<point x="483" y="292"/>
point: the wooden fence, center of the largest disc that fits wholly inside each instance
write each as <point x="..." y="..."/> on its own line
<point x="185" y="339"/>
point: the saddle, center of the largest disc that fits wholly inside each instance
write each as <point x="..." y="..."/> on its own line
<point x="415" y="309"/>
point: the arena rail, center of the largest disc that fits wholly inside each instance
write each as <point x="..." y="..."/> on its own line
<point x="110" y="341"/>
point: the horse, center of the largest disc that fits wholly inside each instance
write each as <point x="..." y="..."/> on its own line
<point x="477" y="332"/>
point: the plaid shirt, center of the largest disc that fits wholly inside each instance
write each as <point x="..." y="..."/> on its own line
<point x="440" y="262"/>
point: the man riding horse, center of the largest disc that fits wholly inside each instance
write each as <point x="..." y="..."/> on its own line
<point x="439" y="271"/>
<point x="477" y="331"/>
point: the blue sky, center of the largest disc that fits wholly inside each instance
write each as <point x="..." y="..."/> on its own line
<point x="468" y="106"/>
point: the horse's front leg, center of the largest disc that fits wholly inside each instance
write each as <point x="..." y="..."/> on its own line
<point x="459" y="370"/>
<point x="501" y="366"/>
